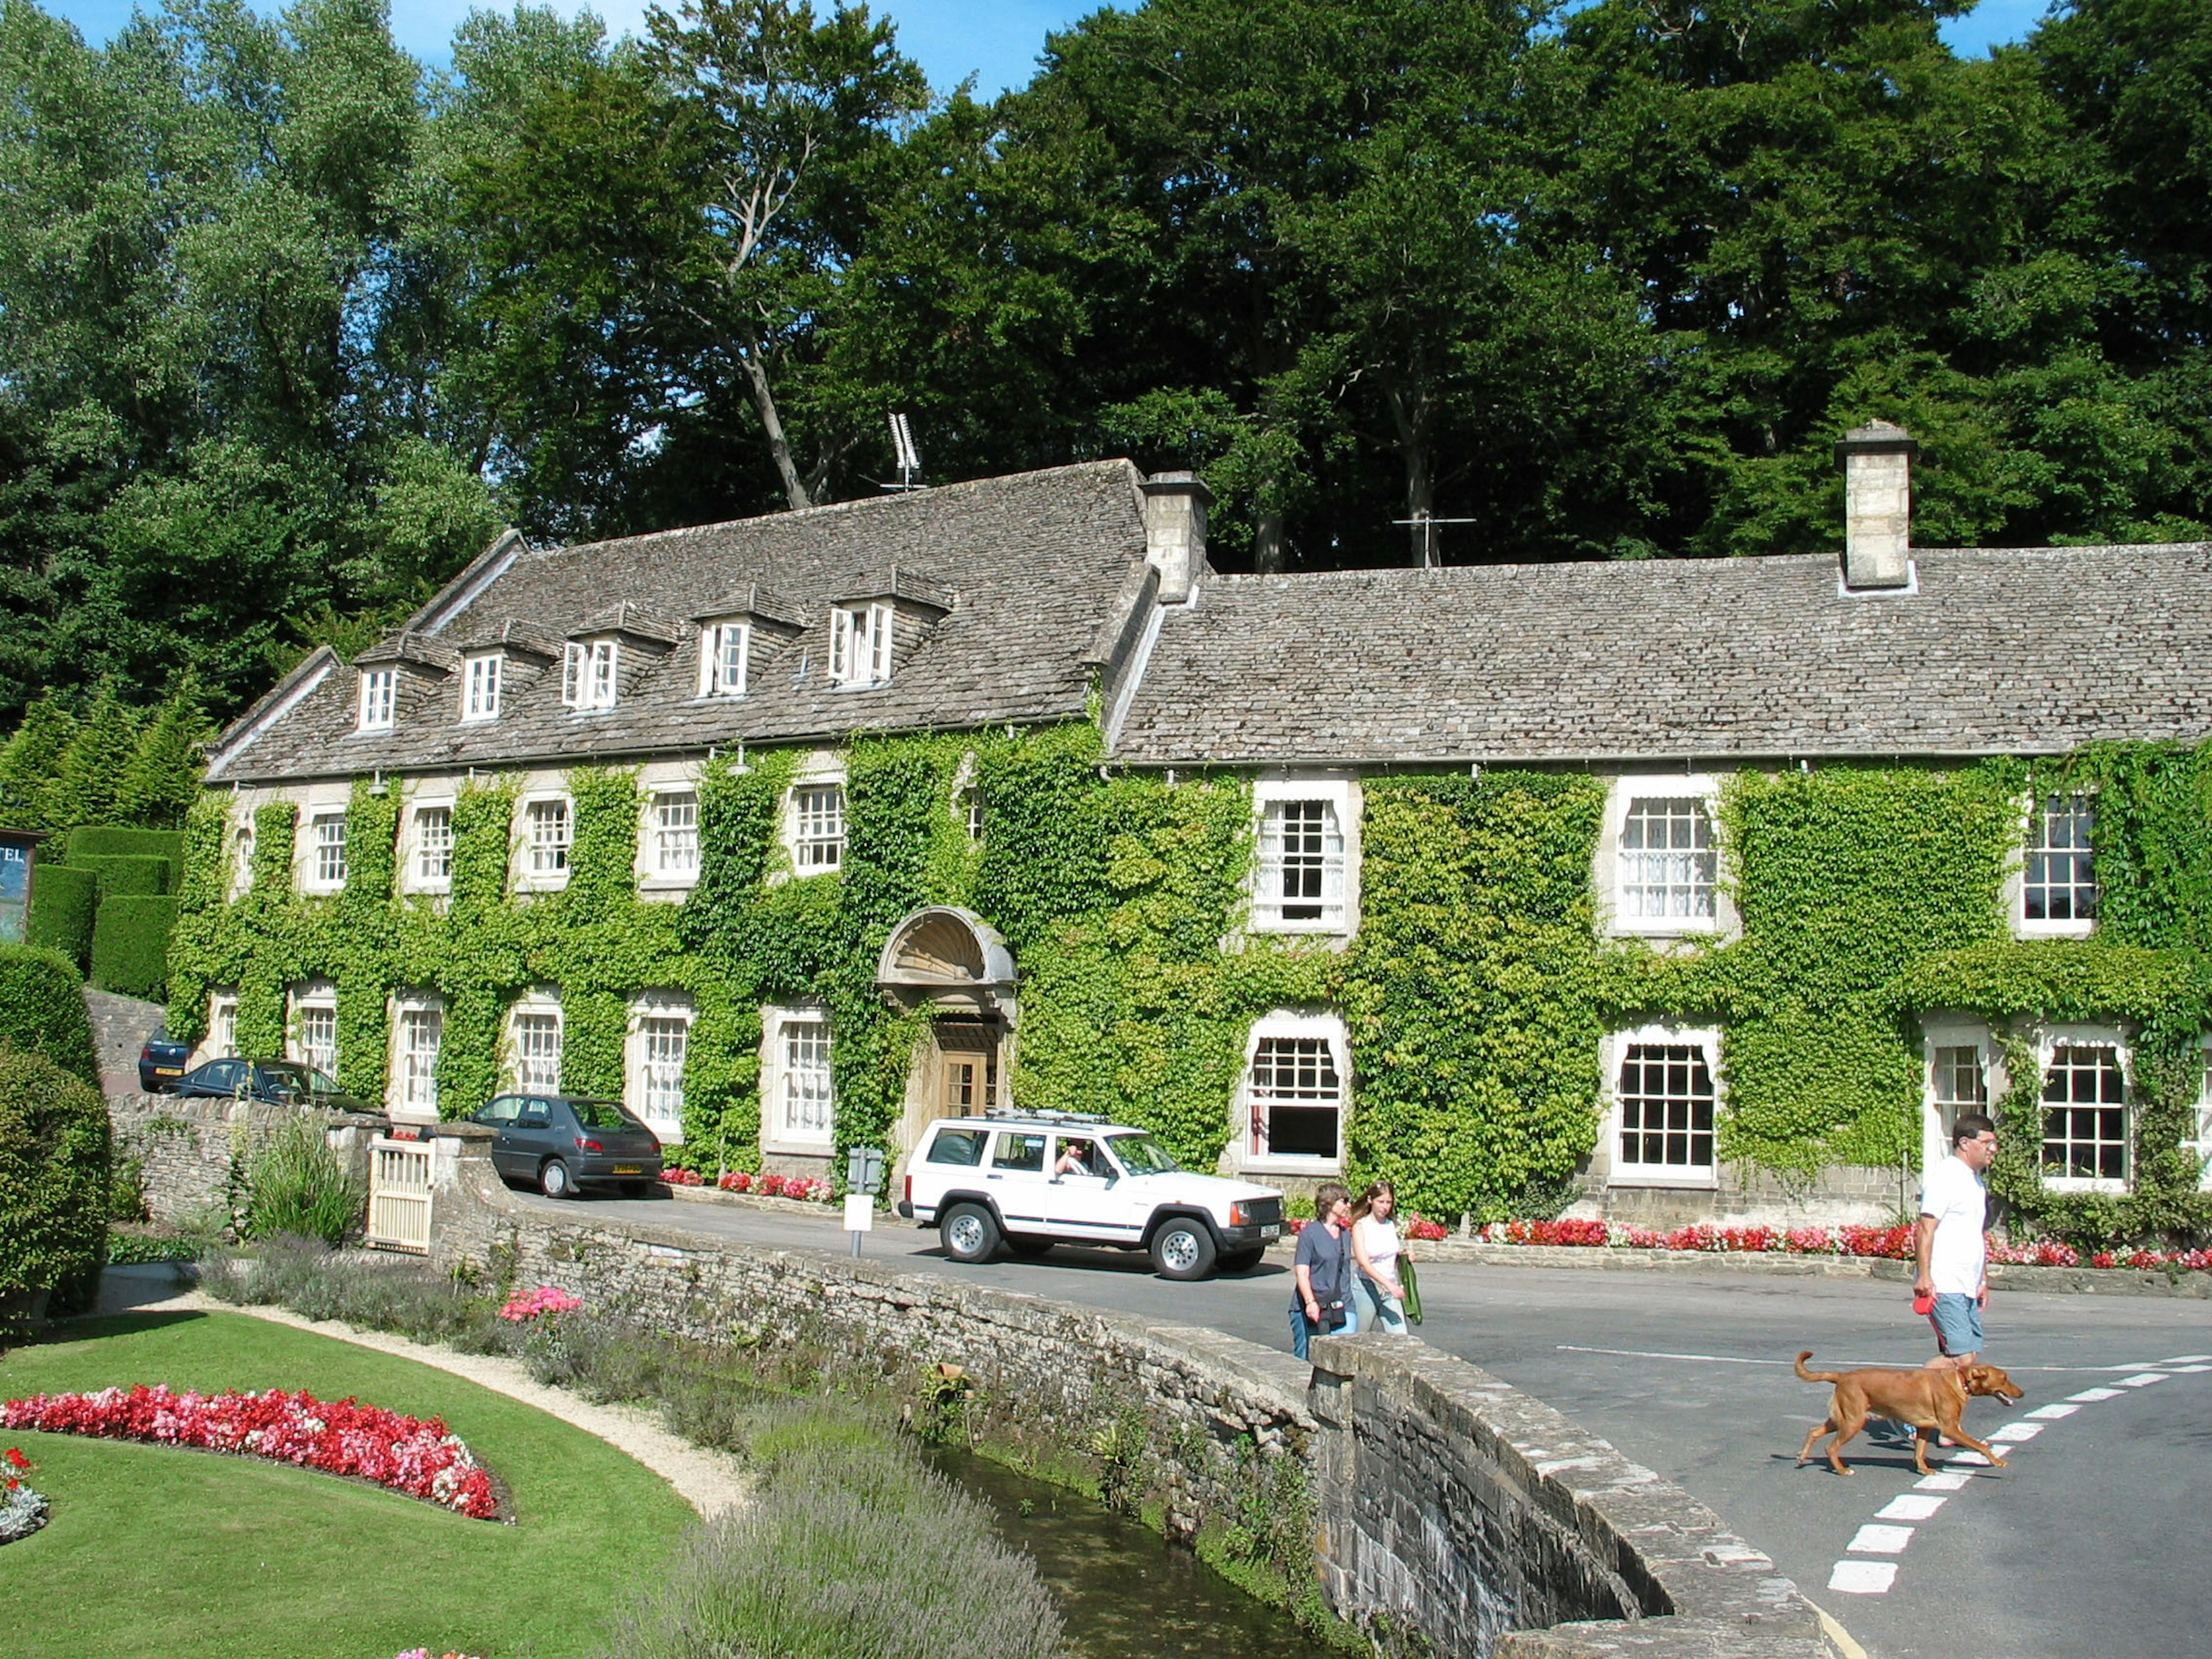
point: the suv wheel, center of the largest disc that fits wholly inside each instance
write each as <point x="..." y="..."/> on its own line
<point x="970" y="1233"/>
<point x="554" y="1181"/>
<point x="1183" y="1248"/>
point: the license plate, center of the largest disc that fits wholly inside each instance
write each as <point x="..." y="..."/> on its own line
<point x="1271" y="1232"/>
<point x="629" y="1168"/>
<point x="168" y="1070"/>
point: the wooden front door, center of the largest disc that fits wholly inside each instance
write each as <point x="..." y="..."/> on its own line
<point x="967" y="1068"/>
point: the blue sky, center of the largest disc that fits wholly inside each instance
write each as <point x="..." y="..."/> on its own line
<point x="996" y="42"/>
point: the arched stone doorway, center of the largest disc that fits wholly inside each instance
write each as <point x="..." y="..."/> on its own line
<point x="954" y="965"/>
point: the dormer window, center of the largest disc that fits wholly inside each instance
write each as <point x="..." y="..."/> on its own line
<point x="587" y="674"/>
<point x="480" y="683"/>
<point x="860" y="645"/>
<point x="725" y="659"/>
<point x="379" y="693"/>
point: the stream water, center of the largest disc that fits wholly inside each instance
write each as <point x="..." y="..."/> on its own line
<point x="1125" y="1591"/>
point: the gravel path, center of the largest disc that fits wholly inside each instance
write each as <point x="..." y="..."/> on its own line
<point x="712" y="1482"/>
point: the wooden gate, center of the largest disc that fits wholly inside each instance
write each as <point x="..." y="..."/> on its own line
<point x="399" y="1195"/>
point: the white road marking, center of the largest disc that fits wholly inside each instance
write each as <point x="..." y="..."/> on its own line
<point x="2188" y="1370"/>
<point x="1874" y="1540"/>
<point x="2142" y="1379"/>
<point x="2189" y="1359"/>
<point x="2055" y="1412"/>
<point x="2010" y="1432"/>
<point x="1973" y="1459"/>
<point x="2088" y="1394"/>
<point x="1702" y="1358"/>
<point x="1905" y="1507"/>
<point x="1862" y="1577"/>
<point x="1948" y="1481"/>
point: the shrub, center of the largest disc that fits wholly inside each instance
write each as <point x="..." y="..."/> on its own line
<point x="864" y="1550"/>
<point x="128" y="873"/>
<point x="130" y="945"/>
<point x="42" y="1009"/>
<point x="296" y="1183"/>
<point x="108" y="842"/>
<point x="54" y="1158"/>
<point x="62" y="901"/>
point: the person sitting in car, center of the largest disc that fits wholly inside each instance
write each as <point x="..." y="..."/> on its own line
<point x="1077" y="1157"/>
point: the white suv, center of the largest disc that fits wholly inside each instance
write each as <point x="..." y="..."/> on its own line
<point x="1035" y="1180"/>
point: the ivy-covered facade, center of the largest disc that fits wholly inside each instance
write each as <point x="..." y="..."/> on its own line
<point x="883" y="812"/>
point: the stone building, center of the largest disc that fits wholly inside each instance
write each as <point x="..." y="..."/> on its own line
<point x="1082" y="598"/>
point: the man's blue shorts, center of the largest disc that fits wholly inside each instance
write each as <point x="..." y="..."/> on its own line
<point x="1958" y="1323"/>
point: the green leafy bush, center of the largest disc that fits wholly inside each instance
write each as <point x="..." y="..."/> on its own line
<point x="54" y="1155"/>
<point x="42" y="1009"/>
<point x="130" y="945"/>
<point x="296" y="1184"/>
<point x="129" y="873"/>
<point x="113" y="842"/>
<point x="62" y="903"/>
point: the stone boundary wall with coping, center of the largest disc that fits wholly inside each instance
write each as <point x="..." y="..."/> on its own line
<point x="191" y="1152"/>
<point x="1453" y="1510"/>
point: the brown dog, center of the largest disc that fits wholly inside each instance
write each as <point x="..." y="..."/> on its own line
<point x="1930" y="1399"/>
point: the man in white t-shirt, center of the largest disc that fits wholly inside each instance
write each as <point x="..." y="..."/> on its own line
<point x="1949" y="1249"/>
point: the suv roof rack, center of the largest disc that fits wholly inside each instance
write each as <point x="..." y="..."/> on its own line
<point x="1044" y="1114"/>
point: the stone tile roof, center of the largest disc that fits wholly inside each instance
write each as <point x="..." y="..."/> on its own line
<point x="2030" y="651"/>
<point x="1042" y="563"/>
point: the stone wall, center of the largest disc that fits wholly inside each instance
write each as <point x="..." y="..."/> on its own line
<point x="1748" y="1195"/>
<point x="1450" y="1508"/>
<point x="192" y="1153"/>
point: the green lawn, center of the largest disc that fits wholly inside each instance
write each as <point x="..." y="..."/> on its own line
<point x="154" y="1550"/>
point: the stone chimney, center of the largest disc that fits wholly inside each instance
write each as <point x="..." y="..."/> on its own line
<point x="1175" y="532"/>
<point x="1877" y="462"/>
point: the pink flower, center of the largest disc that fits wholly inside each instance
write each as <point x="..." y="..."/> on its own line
<point x="545" y="1299"/>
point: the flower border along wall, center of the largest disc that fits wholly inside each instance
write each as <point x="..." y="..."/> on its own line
<point x="1475" y="996"/>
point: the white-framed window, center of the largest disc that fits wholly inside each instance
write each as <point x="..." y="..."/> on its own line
<point x="659" y="1040"/>
<point x="533" y="1044"/>
<point x="418" y="1031"/>
<point x="480" y="682"/>
<point x="799" y="1104"/>
<point x="1295" y="1093"/>
<point x="545" y="839"/>
<point x="313" y="1037"/>
<point x="587" y="674"/>
<point x="1964" y="1075"/>
<point x="241" y="857"/>
<point x="1665" y="1097"/>
<point x="326" y="851"/>
<point x="2058" y="867"/>
<point x="1304" y="878"/>
<point x="818" y="827"/>
<point x="379" y="691"/>
<point x="431" y="852"/>
<point x="222" y="1025"/>
<point x="1669" y="865"/>
<point x="675" y="826"/>
<point x="968" y="811"/>
<point x="2087" y="1124"/>
<point x="725" y="659"/>
<point x="860" y="645"/>
<point x="2201" y="1144"/>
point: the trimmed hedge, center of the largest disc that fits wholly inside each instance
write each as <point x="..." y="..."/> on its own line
<point x="130" y="945"/>
<point x="112" y="841"/>
<point x="130" y="875"/>
<point x="42" y="1009"/>
<point x="62" y="901"/>
<point x="54" y="1171"/>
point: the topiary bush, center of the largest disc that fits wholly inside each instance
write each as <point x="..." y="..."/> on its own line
<point x="130" y="873"/>
<point x="62" y="903"/>
<point x="54" y="1187"/>
<point x="130" y="945"/>
<point x="42" y="1009"/>
<point x="294" y="1184"/>
<point x="112" y="841"/>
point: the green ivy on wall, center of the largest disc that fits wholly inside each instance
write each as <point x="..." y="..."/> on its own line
<point x="1475" y="994"/>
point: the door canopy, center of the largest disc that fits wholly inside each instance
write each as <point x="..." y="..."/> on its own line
<point x="950" y="959"/>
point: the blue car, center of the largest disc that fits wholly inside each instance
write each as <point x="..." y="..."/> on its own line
<point x="161" y="1061"/>
<point x="561" y="1144"/>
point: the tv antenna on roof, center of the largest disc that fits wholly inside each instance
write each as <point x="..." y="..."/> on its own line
<point x="910" y="457"/>
<point x="1430" y="559"/>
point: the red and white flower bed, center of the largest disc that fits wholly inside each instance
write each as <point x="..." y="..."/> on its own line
<point x="1879" y="1243"/>
<point x="22" y="1510"/>
<point x="413" y="1455"/>
<point x="761" y="1186"/>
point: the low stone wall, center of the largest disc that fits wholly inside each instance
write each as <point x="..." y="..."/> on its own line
<point x="1451" y="1510"/>
<point x="1748" y="1195"/>
<point x="192" y="1154"/>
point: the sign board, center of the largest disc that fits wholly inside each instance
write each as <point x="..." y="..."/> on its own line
<point x="864" y="1170"/>
<point x="860" y="1212"/>
<point x="15" y="857"/>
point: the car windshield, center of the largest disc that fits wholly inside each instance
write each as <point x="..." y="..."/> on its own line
<point x="1142" y="1155"/>
<point x="601" y="1114"/>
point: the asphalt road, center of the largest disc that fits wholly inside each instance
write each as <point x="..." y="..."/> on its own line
<point x="2085" y="1546"/>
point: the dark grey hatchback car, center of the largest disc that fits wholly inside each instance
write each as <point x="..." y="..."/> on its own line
<point x="561" y="1144"/>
